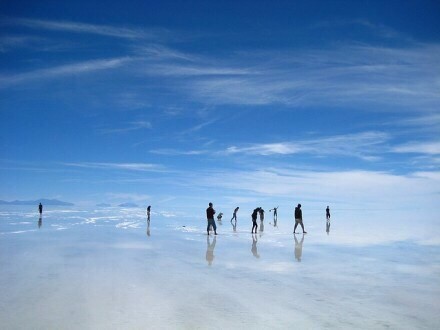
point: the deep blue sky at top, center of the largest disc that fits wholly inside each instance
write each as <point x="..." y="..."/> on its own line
<point x="105" y="101"/>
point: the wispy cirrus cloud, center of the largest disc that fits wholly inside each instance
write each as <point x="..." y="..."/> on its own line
<point x="78" y="27"/>
<point x="143" y="167"/>
<point x="365" y="145"/>
<point x="63" y="70"/>
<point x="131" y="126"/>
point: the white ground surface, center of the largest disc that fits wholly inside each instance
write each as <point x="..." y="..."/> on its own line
<point x="105" y="269"/>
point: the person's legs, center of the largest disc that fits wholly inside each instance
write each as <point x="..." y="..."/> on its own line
<point x="214" y="226"/>
<point x="302" y="226"/>
<point x="296" y="225"/>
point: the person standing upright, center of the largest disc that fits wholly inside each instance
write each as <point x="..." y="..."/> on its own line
<point x="148" y="212"/>
<point x="327" y="213"/>
<point x="275" y="213"/>
<point x="254" y="220"/>
<point x="298" y="219"/>
<point x="210" y="217"/>
<point x="40" y="209"/>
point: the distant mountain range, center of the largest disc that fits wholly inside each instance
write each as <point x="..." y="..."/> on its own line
<point x="36" y="202"/>
<point x="128" y="205"/>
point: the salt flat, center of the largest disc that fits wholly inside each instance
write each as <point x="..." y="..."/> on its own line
<point x="107" y="269"/>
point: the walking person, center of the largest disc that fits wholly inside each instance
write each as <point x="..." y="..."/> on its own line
<point x="210" y="217"/>
<point x="327" y="213"/>
<point x="298" y="219"/>
<point x="40" y="209"/>
<point x="234" y="215"/>
<point x="254" y="220"/>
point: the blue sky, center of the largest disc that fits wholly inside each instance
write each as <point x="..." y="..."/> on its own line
<point x="177" y="103"/>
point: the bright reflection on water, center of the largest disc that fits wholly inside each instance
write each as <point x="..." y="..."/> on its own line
<point x="107" y="268"/>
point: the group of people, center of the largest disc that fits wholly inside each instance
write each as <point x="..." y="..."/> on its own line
<point x="258" y="211"/>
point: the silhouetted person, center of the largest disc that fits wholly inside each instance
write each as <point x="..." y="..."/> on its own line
<point x="219" y="217"/>
<point x="327" y="227"/>
<point x="254" y="220"/>
<point x="40" y="209"/>
<point x="298" y="219"/>
<point x="261" y="214"/>
<point x="210" y="250"/>
<point x="210" y="217"/>
<point x="40" y="222"/>
<point x="148" y="212"/>
<point x="298" y="248"/>
<point x="327" y="213"/>
<point x="275" y="213"/>
<point x="234" y="215"/>
<point x="254" y="246"/>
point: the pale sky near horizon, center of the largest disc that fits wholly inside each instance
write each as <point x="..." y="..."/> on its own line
<point x="249" y="102"/>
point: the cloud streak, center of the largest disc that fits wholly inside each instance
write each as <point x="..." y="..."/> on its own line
<point x="64" y="70"/>
<point x="77" y="27"/>
<point x="138" y="167"/>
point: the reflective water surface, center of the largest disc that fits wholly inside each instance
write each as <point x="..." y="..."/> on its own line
<point x="109" y="269"/>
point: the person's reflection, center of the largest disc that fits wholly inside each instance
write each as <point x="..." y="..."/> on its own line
<point x="234" y="225"/>
<point x="148" y="229"/>
<point x="254" y="246"/>
<point x="40" y="222"/>
<point x="298" y="248"/>
<point x="210" y="249"/>
<point x="275" y="224"/>
<point x="327" y="227"/>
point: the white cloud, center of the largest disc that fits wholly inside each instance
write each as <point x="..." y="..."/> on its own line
<point x="76" y="27"/>
<point x="132" y="126"/>
<point x="363" y="145"/>
<point x="118" y="166"/>
<point x="360" y="188"/>
<point x="430" y="148"/>
<point x="64" y="70"/>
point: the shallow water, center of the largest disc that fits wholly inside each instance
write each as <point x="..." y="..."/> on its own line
<point x="106" y="268"/>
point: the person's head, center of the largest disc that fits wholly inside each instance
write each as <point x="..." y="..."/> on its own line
<point x="210" y="204"/>
<point x="327" y="206"/>
<point x="299" y="206"/>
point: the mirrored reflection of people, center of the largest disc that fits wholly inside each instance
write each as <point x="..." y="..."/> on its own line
<point x="210" y="217"/>
<point x="210" y="249"/>
<point x="234" y="226"/>
<point x="254" y="246"/>
<point x="148" y="229"/>
<point x="298" y="248"/>
<point x="275" y="213"/>
<point x="327" y="213"/>
<point x="298" y="219"/>
<point x="40" y="222"/>
<point x="327" y="227"/>
<point x="234" y="215"/>
<point x="254" y="220"/>
<point x="148" y="213"/>
<point x="40" y="209"/>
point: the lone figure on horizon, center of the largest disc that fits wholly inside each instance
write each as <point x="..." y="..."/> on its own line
<point x="40" y="209"/>
<point x="298" y="219"/>
<point x="148" y="213"/>
<point x="327" y="213"/>
<point x="210" y="217"/>
<point x="234" y="215"/>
